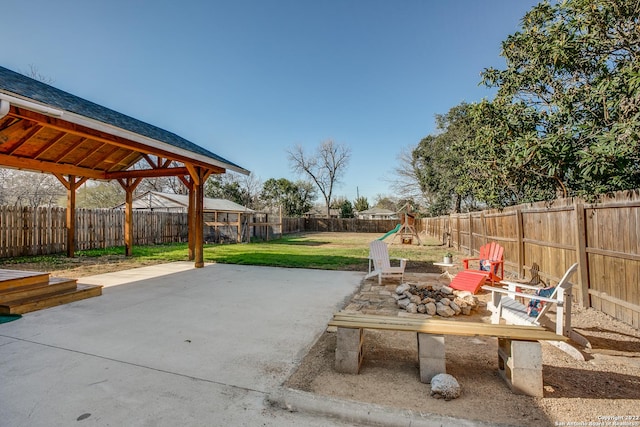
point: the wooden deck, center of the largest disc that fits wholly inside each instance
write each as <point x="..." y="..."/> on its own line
<point x="25" y="291"/>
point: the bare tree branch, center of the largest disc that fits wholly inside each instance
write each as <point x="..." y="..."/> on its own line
<point x="325" y="168"/>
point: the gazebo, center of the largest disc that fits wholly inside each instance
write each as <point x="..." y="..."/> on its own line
<point x="45" y="129"/>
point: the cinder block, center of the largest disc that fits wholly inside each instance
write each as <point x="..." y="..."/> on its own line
<point x="431" y="346"/>
<point x="348" y="350"/>
<point x="527" y="381"/>
<point x="526" y="355"/>
<point x="430" y="367"/>
<point x="431" y="356"/>
<point x="348" y="362"/>
<point x="349" y="339"/>
<point x="520" y="364"/>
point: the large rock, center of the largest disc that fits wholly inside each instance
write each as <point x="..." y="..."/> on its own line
<point x="415" y="299"/>
<point x="403" y="303"/>
<point x="455" y="308"/>
<point x="444" y="310"/>
<point x="402" y="288"/>
<point x="446" y="290"/>
<point x="445" y="386"/>
<point x="431" y="308"/>
<point x="412" y="308"/>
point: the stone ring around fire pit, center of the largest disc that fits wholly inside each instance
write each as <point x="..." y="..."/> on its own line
<point x="433" y="300"/>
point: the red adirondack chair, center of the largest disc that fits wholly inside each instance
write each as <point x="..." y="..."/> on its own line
<point x="490" y="261"/>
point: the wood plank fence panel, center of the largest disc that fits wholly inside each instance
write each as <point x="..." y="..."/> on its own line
<point x="40" y="231"/>
<point x="603" y="236"/>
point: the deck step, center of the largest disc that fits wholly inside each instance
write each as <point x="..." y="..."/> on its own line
<point x="25" y="305"/>
<point x="12" y="279"/>
<point x="56" y="285"/>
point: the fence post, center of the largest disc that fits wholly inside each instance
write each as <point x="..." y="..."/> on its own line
<point x="459" y="242"/>
<point x="520" y="241"/>
<point x="27" y="230"/>
<point x="470" y="234"/>
<point x="483" y="224"/>
<point x="581" y="256"/>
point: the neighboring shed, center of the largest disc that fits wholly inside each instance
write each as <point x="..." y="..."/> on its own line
<point x="45" y="129"/>
<point x="224" y="220"/>
<point x="377" y="213"/>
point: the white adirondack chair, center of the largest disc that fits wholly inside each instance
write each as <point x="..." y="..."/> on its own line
<point x="381" y="263"/>
<point x="504" y="305"/>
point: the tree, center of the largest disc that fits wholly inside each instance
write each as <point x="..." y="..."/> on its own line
<point x="361" y="204"/>
<point x="325" y="168"/>
<point x="35" y="74"/>
<point x="575" y="68"/>
<point x="346" y="209"/>
<point x="100" y="195"/>
<point x="20" y="188"/>
<point x="244" y="190"/>
<point x="386" y="202"/>
<point x="447" y="166"/>
<point x="295" y="198"/>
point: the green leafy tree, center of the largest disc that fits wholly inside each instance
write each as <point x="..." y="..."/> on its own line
<point x="447" y="165"/>
<point x="295" y="198"/>
<point x="346" y="209"/>
<point x="100" y="195"/>
<point x="386" y="202"/>
<point x="361" y="204"/>
<point x="222" y="186"/>
<point x="241" y="189"/>
<point x="574" y="68"/>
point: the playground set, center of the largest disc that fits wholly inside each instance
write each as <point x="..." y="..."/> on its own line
<point x="406" y="230"/>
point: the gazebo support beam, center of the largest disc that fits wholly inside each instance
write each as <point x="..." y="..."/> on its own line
<point x="71" y="185"/>
<point x="129" y="186"/>
<point x="199" y="176"/>
<point x="188" y="182"/>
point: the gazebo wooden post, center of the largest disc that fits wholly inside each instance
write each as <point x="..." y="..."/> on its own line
<point x="199" y="176"/>
<point x="129" y="186"/>
<point x="71" y="217"/>
<point x="192" y="223"/>
<point x="188" y="182"/>
<point x="239" y="236"/>
<point x="71" y="185"/>
<point x="199" y="224"/>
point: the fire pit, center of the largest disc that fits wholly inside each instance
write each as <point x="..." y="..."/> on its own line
<point x="434" y="300"/>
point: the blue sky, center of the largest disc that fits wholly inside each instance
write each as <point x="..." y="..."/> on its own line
<point x="248" y="79"/>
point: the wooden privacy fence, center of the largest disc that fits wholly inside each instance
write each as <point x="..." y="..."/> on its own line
<point x="41" y="231"/>
<point x="604" y="237"/>
<point x="347" y="225"/>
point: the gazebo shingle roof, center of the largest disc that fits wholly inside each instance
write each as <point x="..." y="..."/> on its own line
<point x="19" y="85"/>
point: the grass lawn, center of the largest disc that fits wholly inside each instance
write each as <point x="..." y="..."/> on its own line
<point x="327" y="251"/>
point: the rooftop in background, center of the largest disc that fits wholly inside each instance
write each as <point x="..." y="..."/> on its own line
<point x="157" y="201"/>
<point x="377" y="213"/>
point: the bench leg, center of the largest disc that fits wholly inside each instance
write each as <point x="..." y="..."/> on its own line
<point x="520" y="364"/>
<point x="431" y="356"/>
<point x="349" y="350"/>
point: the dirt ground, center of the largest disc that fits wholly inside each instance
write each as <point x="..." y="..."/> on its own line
<point x="603" y="390"/>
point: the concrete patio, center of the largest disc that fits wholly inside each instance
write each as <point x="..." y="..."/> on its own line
<point x="169" y="345"/>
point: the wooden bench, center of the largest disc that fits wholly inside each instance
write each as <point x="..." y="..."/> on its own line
<point x="519" y="352"/>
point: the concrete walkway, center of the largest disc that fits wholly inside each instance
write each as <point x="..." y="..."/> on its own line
<point x="169" y="345"/>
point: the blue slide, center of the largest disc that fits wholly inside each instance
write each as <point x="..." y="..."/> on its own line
<point x="389" y="233"/>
